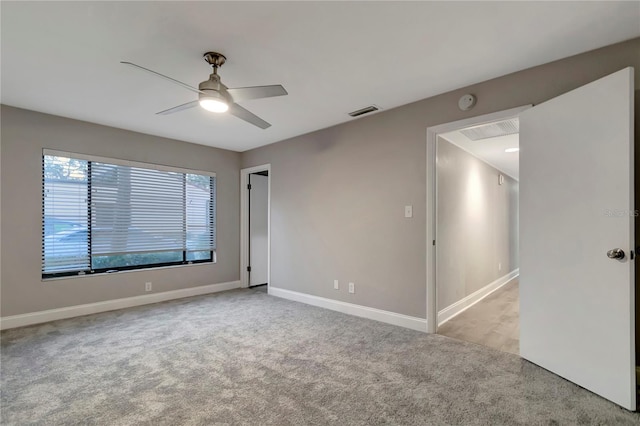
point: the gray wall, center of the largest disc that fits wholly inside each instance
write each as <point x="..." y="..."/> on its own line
<point x="24" y="135"/>
<point x="477" y="225"/>
<point x="338" y="193"/>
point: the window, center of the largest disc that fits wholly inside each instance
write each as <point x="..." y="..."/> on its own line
<point x="102" y="215"/>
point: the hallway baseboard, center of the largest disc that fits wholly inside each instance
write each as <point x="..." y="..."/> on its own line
<point x="460" y="306"/>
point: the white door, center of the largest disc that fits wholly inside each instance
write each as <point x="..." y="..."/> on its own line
<point x="577" y="315"/>
<point x="258" y="228"/>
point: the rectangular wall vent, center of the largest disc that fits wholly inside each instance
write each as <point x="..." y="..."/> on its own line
<point x="492" y="130"/>
<point x="363" y="111"/>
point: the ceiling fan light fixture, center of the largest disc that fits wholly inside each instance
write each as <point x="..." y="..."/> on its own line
<point x="214" y="105"/>
<point x="213" y="101"/>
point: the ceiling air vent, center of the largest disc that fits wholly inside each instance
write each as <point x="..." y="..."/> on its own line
<point x="492" y="130"/>
<point x="363" y="111"/>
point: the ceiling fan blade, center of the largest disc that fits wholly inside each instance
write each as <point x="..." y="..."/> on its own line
<point x="178" y="108"/>
<point x="248" y="116"/>
<point x="173" y="80"/>
<point x="240" y="94"/>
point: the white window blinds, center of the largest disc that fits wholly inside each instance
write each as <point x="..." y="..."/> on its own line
<point x="65" y="215"/>
<point x="131" y="216"/>
<point x="136" y="210"/>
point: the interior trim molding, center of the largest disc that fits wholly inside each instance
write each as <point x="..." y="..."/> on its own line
<point x="22" y="320"/>
<point x="463" y="304"/>
<point x="419" y="324"/>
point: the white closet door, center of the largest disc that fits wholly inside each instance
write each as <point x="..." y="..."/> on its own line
<point x="258" y="217"/>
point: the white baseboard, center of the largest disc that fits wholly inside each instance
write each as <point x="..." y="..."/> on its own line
<point x="110" y="305"/>
<point x="419" y="324"/>
<point x="461" y="305"/>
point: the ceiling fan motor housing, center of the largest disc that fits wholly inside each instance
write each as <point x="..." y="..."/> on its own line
<point x="214" y="89"/>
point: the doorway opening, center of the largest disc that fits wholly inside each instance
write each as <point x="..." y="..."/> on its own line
<point x="255" y="227"/>
<point x="477" y="294"/>
<point x="472" y="188"/>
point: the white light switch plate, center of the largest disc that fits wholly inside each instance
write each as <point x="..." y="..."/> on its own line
<point x="408" y="211"/>
<point x="336" y="284"/>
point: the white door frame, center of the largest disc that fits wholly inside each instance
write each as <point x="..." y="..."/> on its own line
<point x="244" y="223"/>
<point x="432" y="137"/>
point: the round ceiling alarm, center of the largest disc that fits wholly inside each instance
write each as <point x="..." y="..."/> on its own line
<point x="467" y="102"/>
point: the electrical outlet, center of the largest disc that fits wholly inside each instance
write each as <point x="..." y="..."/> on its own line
<point x="147" y="286"/>
<point x="499" y="266"/>
<point x="336" y="284"/>
<point x="352" y="288"/>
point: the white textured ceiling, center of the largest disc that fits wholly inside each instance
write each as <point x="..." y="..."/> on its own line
<point x="491" y="150"/>
<point x="333" y="57"/>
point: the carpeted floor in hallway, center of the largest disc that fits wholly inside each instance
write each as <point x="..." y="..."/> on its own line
<point x="243" y="357"/>
<point x="492" y="322"/>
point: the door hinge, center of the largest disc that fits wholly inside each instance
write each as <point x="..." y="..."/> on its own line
<point x="631" y="254"/>
<point x="249" y="186"/>
<point x="434" y="242"/>
<point x="248" y="268"/>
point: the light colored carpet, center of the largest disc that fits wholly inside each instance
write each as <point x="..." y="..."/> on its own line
<point x="492" y="322"/>
<point x="243" y="357"/>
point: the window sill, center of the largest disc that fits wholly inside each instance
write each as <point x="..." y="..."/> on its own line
<point x="100" y="274"/>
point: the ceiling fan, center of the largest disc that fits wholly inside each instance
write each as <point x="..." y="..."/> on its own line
<point x="216" y="97"/>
